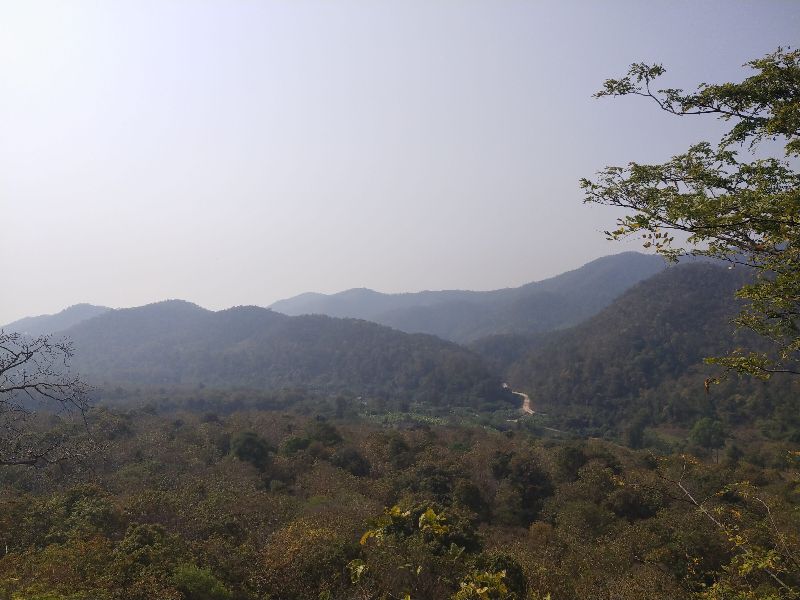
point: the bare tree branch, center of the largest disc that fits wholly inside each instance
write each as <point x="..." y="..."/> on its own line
<point x="35" y="380"/>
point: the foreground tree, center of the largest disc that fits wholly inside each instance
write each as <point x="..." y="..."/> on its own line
<point x="35" y="386"/>
<point x="746" y="212"/>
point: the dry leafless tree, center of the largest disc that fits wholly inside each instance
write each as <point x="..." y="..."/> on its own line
<point x="42" y="404"/>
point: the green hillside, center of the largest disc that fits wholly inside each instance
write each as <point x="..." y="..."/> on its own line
<point x="176" y="343"/>
<point x="640" y="361"/>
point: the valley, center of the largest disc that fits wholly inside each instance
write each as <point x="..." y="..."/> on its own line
<point x="631" y="369"/>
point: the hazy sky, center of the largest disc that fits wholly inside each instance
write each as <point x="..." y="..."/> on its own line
<point x="237" y="152"/>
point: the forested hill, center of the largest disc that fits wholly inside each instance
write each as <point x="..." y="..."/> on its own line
<point x="175" y="343"/>
<point x="464" y="316"/>
<point x="641" y="359"/>
<point x="45" y="324"/>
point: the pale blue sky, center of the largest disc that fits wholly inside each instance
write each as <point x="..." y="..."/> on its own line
<point x="237" y="152"/>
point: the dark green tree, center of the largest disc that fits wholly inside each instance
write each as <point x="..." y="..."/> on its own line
<point x="199" y="584"/>
<point x="250" y="447"/>
<point x="708" y="433"/>
<point x="742" y="210"/>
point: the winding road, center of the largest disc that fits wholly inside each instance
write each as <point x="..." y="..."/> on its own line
<point x="527" y="408"/>
<point x="526" y="400"/>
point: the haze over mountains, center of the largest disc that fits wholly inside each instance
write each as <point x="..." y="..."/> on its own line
<point x="45" y="324"/>
<point x="456" y="315"/>
<point x="464" y="316"/>
<point x="621" y="336"/>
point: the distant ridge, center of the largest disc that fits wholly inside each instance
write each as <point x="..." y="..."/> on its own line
<point x="177" y="343"/>
<point x="45" y="324"/>
<point x="465" y="316"/>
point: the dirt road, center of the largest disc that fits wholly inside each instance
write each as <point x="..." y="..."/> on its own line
<point x="526" y="403"/>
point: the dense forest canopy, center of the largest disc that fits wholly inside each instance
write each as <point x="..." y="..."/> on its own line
<point x="278" y="505"/>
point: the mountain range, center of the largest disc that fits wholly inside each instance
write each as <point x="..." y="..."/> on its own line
<point x="177" y="344"/>
<point x="465" y="316"/>
<point x="618" y="341"/>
